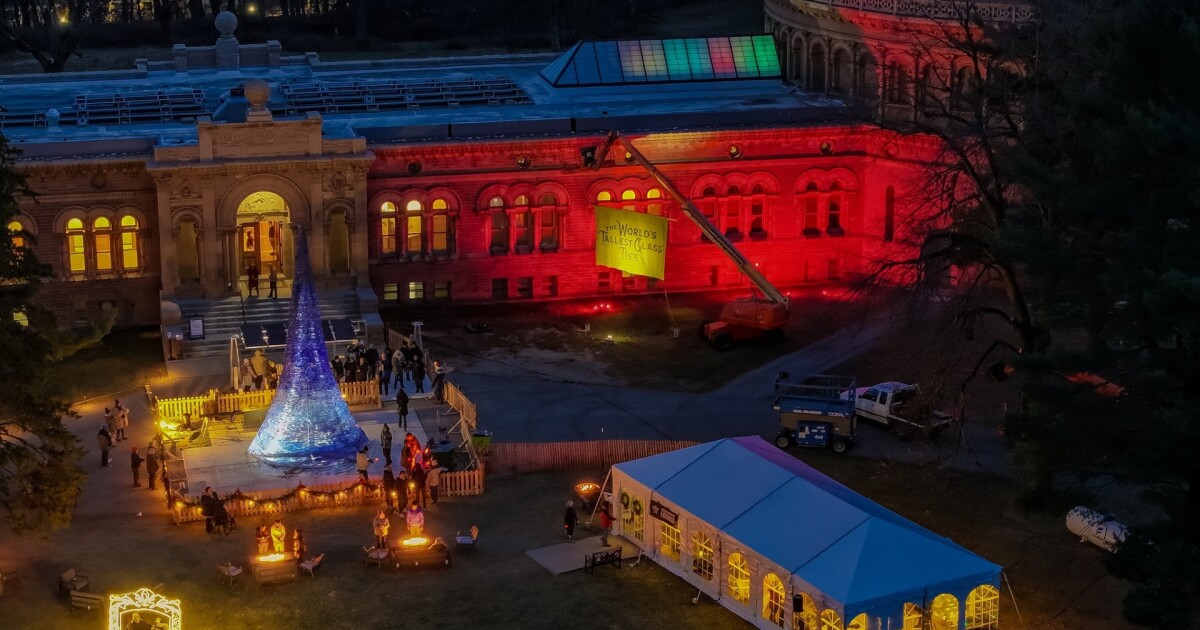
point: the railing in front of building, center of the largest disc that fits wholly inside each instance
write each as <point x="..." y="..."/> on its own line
<point x="356" y="393"/>
<point x="932" y="9"/>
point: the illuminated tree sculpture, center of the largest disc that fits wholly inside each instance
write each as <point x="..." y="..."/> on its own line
<point x="308" y="424"/>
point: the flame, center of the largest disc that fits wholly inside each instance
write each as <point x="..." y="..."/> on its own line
<point x="416" y="541"/>
<point x="273" y="557"/>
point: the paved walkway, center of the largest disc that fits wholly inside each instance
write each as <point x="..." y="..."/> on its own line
<point x="543" y="410"/>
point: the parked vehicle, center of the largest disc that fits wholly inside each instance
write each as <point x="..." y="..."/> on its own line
<point x="895" y="404"/>
<point x="815" y="410"/>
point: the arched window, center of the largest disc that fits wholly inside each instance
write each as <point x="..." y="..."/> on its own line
<point x="943" y="613"/>
<point x="899" y="83"/>
<point x="860" y="622"/>
<point x="864" y="78"/>
<point x="76" y="253"/>
<point x="737" y="583"/>
<point x="797" y="61"/>
<point x="914" y="618"/>
<point x="668" y="540"/>
<point x="833" y="218"/>
<point x="16" y="230"/>
<point x="772" y="599"/>
<point x="758" y="204"/>
<point x="496" y="202"/>
<point x="840" y="79"/>
<point x="654" y="202"/>
<point x="521" y="200"/>
<point x="804" y="613"/>
<point x="830" y="620"/>
<point x="708" y="207"/>
<point x="548" y="199"/>
<point x="816" y="73"/>
<point x="414" y="242"/>
<point x="603" y="196"/>
<point x="21" y="317"/>
<point x="629" y="195"/>
<point x="811" y="198"/>
<point x="702" y="556"/>
<point x="499" y="232"/>
<point x="733" y="213"/>
<point x="387" y="228"/>
<point x="962" y="88"/>
<point x="439" y="226"/>
<point x="102" y="243"/>
<point x="130" y="258"/>
<point x="889" y="214"/>
<point x="983" y="608"/>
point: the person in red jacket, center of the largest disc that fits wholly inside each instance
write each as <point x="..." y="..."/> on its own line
<point x="606" y="523"/>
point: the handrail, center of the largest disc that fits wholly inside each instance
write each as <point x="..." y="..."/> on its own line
<point x="931" y="9"/>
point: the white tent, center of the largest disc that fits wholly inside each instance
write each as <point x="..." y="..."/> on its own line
<point x="782" y="545"/>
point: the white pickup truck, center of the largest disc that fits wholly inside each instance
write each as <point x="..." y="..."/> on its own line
<point x="888" y="404"/>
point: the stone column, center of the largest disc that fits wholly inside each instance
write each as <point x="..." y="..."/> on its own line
<point x="318" y="241"/>
<point x="167" y="255"/>
<point x="359" y="224"/>
<point x="214" y="283"/>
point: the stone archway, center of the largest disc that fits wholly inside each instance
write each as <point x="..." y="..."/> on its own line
<point x="255" y="215"/>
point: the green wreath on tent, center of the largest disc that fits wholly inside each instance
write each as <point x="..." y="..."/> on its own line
<point x="637" y="507"/>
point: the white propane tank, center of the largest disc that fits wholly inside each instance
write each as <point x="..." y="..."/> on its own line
<point x="1099" y="529"/>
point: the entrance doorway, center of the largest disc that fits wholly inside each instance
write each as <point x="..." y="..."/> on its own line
<point x="262" y="240"/>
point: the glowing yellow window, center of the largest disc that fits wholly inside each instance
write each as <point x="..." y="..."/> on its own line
<point x="629" y="194"/>
<point x="440" y="225"/>
<point x="806" y="617"/>
<point x="772" y="599"/>
<point x="702" y="556"/>
<point x="21" y="318"/>
<point x="521" y="200"/>
<point x="861" y="622"/>
<point x="440" y="205"/>
<point x="15" y="228"/>
<point x="633" y="517"/>
<point x="654" y="206"/>
<point x="413" y="227"/>
<point x="983" y="608"/>
<point x="76" y="255"/>
<point x="387" y="228"/>
<point x="738" y="578"/>
<point x="943" y="613"/>
<point x="830" y="620"/>
<point x="102" y="238"/>
<point x="669" y="543"/>
<point x="604" y="195"/>
<point x="496" y="202"/>
<point x="129" y="243"/>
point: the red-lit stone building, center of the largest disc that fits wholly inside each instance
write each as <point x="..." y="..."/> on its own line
<point x="440" y="179"/>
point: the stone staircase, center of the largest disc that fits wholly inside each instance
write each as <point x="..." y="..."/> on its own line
<point x="223" y="318"/>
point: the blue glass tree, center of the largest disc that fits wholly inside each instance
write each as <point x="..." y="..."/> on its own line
<point x="308" y="424"/>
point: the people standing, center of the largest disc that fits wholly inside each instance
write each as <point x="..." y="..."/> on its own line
<point x="439" y="382"/>
<point x="372" y="356"/>
<point x="351" y="370"/>
<point x="384" y="370"/>
<point x="570" y="518"/>
<point x="414" y="518"/>
<point x="606" y="522"/>
<point x="402" y="408"/>
<point x="389" y="486"/>
<point x="433" y="479"/>
<point x="262" y="536"/>
<point x="418" y="370"/>
<point x="110" y="421"/>
<point x="380" y="526"/>
<point x="104" y="440"/>
<point x="363" y="370"/>
<point x="207" y="509"/>
<point x="151" y="465"/>
<point x="385" y="443"/>
<point x="362" y="461"/>
<point x="247" y="375"/>
<point x="258" y="366"/>
<point x="419" y="477"/>
<point x="278" y="536"/>
<point x="273" y="281"/>
<point x="339" y="368"/>
<point x="299" y="548"/>
<point x="135" y="462"/>
<point x="398" y="368"/>
<point x="252" y="280"/>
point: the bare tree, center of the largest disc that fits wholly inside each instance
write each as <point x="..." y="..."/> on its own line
<point x="50" y="30"/>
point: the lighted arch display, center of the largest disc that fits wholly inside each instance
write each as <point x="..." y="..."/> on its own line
<point x="148" y="605"/>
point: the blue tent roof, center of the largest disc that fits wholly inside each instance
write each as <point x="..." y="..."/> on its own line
<point x="840" y="542"/>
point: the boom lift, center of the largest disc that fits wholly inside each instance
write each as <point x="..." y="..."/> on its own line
<point x="743" y="318"/>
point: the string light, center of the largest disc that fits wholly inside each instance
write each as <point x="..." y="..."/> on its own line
<point x="308" y="424"/>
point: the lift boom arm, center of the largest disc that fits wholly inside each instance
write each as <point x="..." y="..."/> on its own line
<point x="692" y="212"/>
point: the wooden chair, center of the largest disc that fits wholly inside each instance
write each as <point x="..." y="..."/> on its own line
<point x="466" y="540"/>
<point x="311" y="565"/>
<point x="375" y="556"/>
<point x="71" y="581"/>
<point x="227" y="570"/>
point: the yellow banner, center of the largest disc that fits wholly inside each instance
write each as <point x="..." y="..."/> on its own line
<point x="631" y="241"/>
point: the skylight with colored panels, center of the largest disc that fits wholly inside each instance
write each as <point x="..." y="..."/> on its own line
<point x="629" y="62"/>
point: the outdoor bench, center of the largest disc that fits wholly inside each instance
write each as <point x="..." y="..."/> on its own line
<point x="598" y="558"/>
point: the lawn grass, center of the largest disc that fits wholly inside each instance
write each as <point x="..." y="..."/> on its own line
<point x="124" y="359"/>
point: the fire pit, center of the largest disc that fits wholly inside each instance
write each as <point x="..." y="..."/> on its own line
<point x="588" y="492"/>
<point x="420" y="551"/>
<point x="273" y="568"/>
